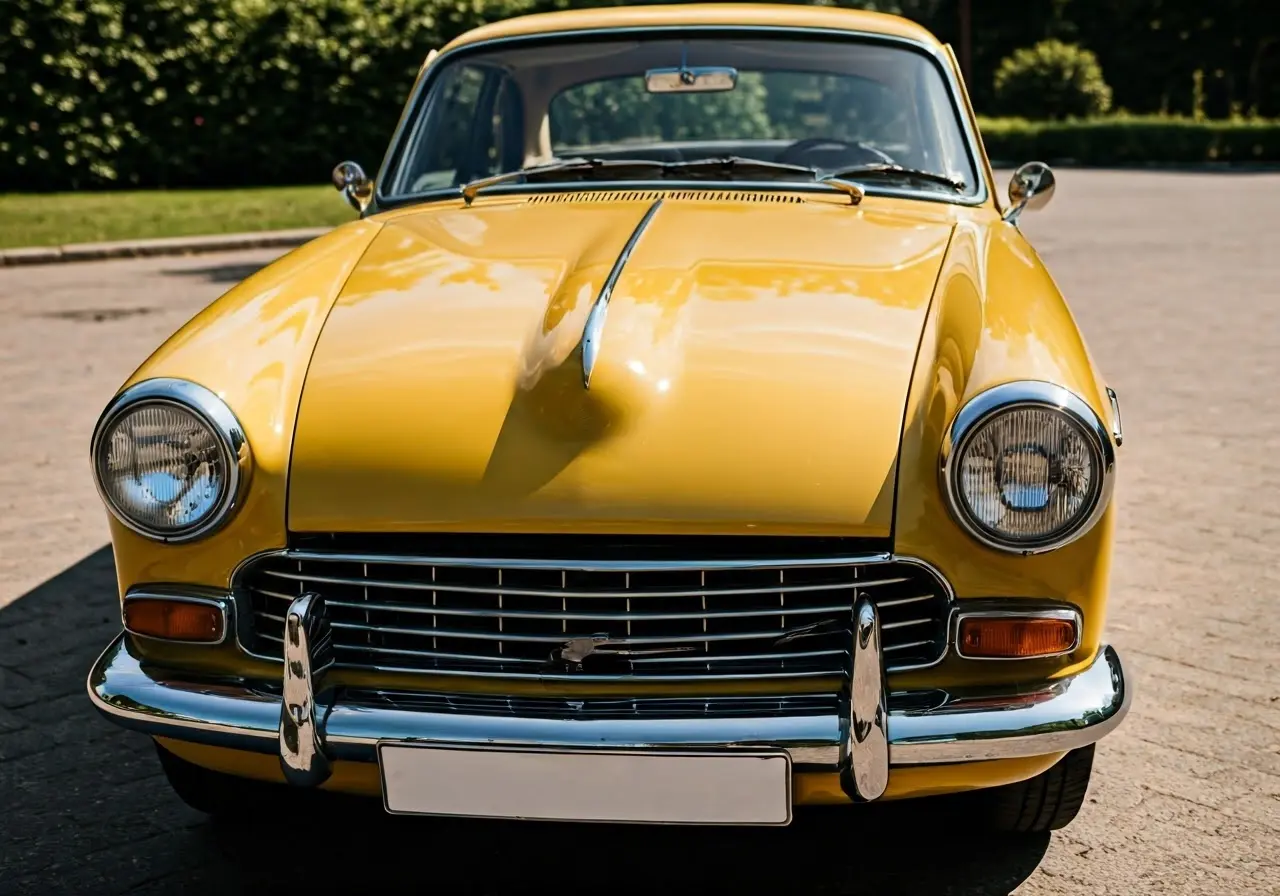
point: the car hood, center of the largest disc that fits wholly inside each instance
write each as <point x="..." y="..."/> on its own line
<point x="752" y="371"/>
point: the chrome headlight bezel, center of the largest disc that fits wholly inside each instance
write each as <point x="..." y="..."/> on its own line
<point x="210" y="410"/>
<point x="1041" y="396"/>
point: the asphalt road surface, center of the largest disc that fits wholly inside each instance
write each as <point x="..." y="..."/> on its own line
<point x="1175" y="279"/>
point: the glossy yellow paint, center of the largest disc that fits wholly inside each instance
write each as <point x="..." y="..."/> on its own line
<point x="251" y="347"/>
<point x="912" y="781"/>
<point x="694" y="14"/>
<point x="446" y="392"/>
<point x="808" y="788"/>
<point x="997" y="317"/>
<point x="495" y="297"/>
<point x="765" y="369"/>
<point x="359" y="778"/>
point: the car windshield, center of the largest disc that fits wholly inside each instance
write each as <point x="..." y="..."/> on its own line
<point x="828" y="105"/>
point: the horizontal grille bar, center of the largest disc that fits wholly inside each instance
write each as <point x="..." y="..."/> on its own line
<point x="602" y="707"/>
<point x="526" y="563"/>
<point x="640" y="660"/>
<point x="525" y="592"/>
<point x="663" y="616"/>
<point x="542" y="639"/>
<point x="604" y="617"/>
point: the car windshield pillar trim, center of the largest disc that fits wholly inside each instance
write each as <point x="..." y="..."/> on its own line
<point x="594" y="329"/>
<point x="936" y="55"/>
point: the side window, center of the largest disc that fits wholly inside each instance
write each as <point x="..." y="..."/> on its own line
<point x="472" y="129"/>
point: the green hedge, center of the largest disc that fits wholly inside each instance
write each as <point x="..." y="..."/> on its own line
<point x="1132" y="140"/>
<point x="102" y="93"/>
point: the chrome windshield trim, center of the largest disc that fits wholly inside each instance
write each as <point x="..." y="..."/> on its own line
<point x="594" y="329"/>
<point x="413" y="107"/>
<point x="823" y="188"/>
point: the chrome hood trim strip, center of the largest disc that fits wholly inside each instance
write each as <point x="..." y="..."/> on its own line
<point x="595" y="319"/>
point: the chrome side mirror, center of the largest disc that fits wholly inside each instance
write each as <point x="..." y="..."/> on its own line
<point x="1031" y="187"/>
<point x="349" y="178"/>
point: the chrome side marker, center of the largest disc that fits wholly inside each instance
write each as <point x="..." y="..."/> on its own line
<point x="308" y="648"/>
<point x="864" y="761"/>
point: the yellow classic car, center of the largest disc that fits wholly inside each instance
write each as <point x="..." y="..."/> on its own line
<point x="683" y="432"/>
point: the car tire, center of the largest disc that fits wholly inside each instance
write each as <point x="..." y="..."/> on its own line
<point x="1047" y="802"/>
<point x="214" y="793"/>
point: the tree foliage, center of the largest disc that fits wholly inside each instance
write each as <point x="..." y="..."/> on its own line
<point x="1051" y="80"/>
<point x="1150" y="50"/>
<point x="208" y="92"/>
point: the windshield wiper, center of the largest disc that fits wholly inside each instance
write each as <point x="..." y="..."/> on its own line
<point x="888" y="170"/>
<point x="717" y="166"/>
<point x="554" y="170"/>
<point x="725" y="166"/>
<point x="731" y="165"/>
<point x="728" y="166"/>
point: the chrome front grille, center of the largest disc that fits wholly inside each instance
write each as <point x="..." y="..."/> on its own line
<point x="602" y="707"/>
<point x="661" y="613"/>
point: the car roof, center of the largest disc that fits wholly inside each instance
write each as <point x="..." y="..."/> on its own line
<point x="695" y="14"/>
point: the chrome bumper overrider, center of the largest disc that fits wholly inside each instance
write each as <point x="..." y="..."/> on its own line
<point x="871" y="731"/>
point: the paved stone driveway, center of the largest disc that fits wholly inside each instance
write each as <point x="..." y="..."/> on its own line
<point x="1176" y="282"/>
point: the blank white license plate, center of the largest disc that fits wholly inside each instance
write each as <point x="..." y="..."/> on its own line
<point x="728" y="788"/>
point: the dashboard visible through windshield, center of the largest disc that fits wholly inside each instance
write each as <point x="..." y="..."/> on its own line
<point x="828" y="105"/>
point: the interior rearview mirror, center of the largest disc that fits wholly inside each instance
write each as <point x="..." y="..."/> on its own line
<point x="699" y="79"/>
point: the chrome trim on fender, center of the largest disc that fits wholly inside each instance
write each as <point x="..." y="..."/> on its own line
<point x="594" y="328"/>
<point x="1026" y="393"/>
<point x="1117" y="428"/>
<point x="210" y="409"/>
<point x="962" y="726"/>
<point x="864" y="760"/>
<point x="221" y="600"/>
<point x="1070" y="614"/>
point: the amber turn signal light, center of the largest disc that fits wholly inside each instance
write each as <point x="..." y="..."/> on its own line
<point x="174" y="620"/>
<point x="1016" y="637"/>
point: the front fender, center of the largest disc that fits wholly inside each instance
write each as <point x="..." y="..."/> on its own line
<point x="997" y="316"/>
<point x="251" y="347"/>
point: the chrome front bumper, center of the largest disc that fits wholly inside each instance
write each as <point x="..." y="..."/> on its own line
<point x="869" y="731"/>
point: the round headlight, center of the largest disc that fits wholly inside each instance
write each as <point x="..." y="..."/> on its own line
<point x="170" y="459"/>
<point x="1027" y="467"/>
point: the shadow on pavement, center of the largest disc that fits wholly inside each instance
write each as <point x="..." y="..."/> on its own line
<point x="84" y="809"/>
<point x="218" y="273"/>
